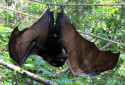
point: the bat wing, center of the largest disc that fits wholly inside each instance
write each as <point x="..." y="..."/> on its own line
<point x="23" y="43"/>
<point x="84" y="56"/>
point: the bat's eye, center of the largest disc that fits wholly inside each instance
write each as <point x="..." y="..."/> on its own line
<point x="54" y="64"/>
<point x="62" y="60"/>
<point x="55" y="35"/>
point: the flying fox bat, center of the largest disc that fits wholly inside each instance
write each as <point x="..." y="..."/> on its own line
<point x="42" y="38"/>
<point x="84" y="56"/>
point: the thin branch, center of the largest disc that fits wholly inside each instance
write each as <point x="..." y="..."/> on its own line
<point x="100" y="38"/>
<point x="47" y="3"/>
<point x="61" y="71"/>
<point x="18" y="12"/>
<point x="28" y="74"/>
<point x="109" y="43"/>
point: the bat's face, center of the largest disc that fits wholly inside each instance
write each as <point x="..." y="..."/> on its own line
<point x="57" y="61"/>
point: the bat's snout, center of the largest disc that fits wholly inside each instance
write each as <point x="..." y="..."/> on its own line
<point x="59" y="60"/>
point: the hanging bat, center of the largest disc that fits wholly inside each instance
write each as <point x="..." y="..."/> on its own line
<point x="84" y="56"/>
<point x="42" y="38"/>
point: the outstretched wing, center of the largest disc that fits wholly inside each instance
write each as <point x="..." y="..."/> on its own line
<point x="84" y="56"/>
<point x="22" y="43"/>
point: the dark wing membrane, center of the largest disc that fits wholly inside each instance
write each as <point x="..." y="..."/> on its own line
<point x="20" y="46"/>
<point x="22" y="43"/>
<point x="84" y="56"/>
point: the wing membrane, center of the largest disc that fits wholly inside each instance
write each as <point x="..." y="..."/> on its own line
<point x="84" y="56"/>
<point x="22" y="43"/>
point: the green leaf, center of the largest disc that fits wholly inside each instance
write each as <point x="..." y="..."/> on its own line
<point x="45" y="71"/>
<point x="122" y="74"/>
<point x="122" y="56"/>
<point x="66" y="80"/>
<point x="28" y="65"/>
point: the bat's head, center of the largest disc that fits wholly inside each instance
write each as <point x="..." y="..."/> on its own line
<point x="56" y="60"/>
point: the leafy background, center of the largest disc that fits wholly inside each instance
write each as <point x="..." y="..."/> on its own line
<point x="104" y="21"/>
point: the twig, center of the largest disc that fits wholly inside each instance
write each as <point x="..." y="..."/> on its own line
<point x="100" y="38"/>
<point x="18" y="12"/>
<point x="109" y="43"/>
<point x="114" y="4"/>
<point x="28" y="74"/>
<point x="59" y="72"/>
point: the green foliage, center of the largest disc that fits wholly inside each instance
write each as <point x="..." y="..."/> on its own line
<point x="104" y="21"/>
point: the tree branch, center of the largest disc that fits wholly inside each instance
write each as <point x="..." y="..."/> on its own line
<point x="100" y="38"/>
<point x="115" y="4"/>
<point x="28" y="74"/>
<point x="59" y="72"/>
<point x="109" y="43"/>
